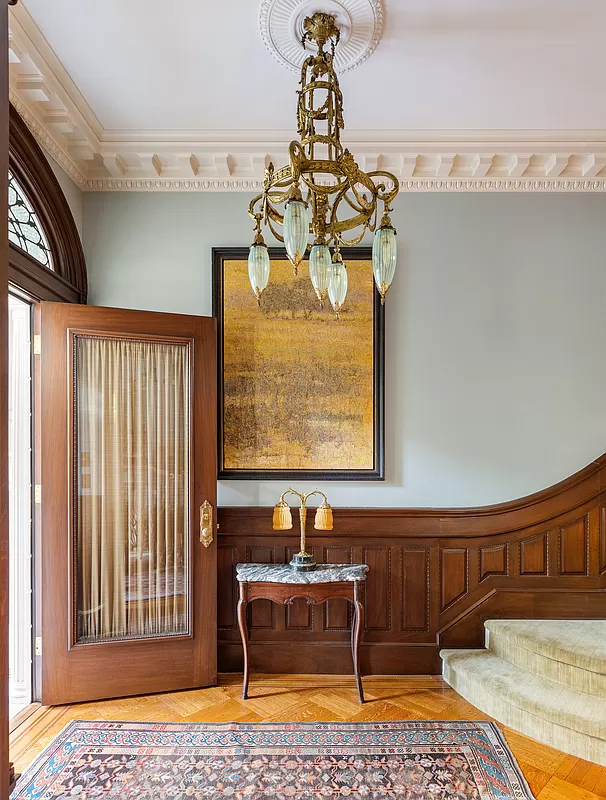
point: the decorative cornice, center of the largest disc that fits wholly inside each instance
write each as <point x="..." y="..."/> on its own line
<point x="224" y="161"/>
<point x="44" y="138"/>
<point x="421" y="185"/>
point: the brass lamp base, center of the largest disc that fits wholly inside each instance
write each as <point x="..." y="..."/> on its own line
<point x="303" y="562"/>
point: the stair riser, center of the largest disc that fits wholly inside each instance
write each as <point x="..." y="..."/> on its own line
<point x="566" y="674"/>
<point x="564" y="739"/>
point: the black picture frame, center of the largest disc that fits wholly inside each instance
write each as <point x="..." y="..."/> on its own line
<point x="219" y="256"/>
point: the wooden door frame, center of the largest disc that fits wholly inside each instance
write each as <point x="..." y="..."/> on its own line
<point x="4" y="762"/>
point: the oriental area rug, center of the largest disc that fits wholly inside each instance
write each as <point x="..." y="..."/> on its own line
<point x="295" y="761"/>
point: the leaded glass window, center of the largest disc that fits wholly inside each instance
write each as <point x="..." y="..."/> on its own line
<point x="24" y="226"/>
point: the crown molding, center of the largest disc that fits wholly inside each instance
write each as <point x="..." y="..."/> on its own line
<point x="221" y="161"/>
<point x="420" y="185"/>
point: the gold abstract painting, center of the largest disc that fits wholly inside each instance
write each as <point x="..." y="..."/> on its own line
<point x="300" y="389"/>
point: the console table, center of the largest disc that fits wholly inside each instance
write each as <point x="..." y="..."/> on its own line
<point x="282" y="584"/>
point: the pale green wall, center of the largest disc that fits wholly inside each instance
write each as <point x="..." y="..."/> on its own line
<point x="496" y="331"/>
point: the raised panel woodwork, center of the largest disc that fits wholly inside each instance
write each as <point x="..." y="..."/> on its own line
<point x="493" y="561"/>
<point x="378" y="588"/>
<point x="261" y="612"/>
<point x="299" y="615"/>
<point x="228" y="596"/>
<point x="533" y="556"/>
<point x="337" y="613"/>
<point x="415" y="589"/>
<point x="430" y="581"/>
<point x="574" y="542"/>
<point x="454" y="575"/>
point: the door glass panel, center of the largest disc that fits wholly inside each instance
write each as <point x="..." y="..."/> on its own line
<point x="131" y="511"/>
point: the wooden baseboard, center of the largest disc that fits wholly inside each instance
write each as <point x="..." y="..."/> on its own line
<point x="315" y="681"/>
<point x="332" y="658"/>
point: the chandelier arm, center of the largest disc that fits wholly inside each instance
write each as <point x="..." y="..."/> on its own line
<point x="355" y="176"/>
<point x="281" y="177"/>
<point x="318" y="188"/>
<point x="253" y="203"/>
<point x="384" y="194"/>
<point x="277" y="198"/>
<point x="349" y="224"/>
<point x="363" y="204"/>
<point x="273" y="215"/>
<point x="353" y="242"/>
<point x="357" y="207"/>
<point x="296" y="157"/>
<point x="336" y="205"/>
<point x="278" y="236"/>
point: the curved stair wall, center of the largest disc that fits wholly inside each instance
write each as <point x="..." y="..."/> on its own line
<point x="435" y="577"/>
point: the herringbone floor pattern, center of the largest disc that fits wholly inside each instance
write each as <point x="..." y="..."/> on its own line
<point x="305" y="698"/>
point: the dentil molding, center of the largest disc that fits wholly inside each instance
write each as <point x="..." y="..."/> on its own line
<point x="433" y="161"/>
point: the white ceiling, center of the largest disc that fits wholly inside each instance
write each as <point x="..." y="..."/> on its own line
<point x="200" y="65"/>
<point x="182" y="95"/>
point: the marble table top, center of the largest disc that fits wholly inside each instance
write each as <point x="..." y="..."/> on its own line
<point x="283" y="573"/>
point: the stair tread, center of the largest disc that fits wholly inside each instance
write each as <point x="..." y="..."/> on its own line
<point x="580" y="643"/>
<point x="559" y="704"/>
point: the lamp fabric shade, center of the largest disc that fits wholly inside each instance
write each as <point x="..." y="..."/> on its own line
<point x="323" y="521"/>
<point x="282" y="519"/>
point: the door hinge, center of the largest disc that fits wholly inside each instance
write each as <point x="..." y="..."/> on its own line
<point x="37" y="493"/>
<point x="37" y="344"/>
<point x="38" y="646"/>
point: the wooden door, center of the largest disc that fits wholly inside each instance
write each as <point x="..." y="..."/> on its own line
<point x="126" y="462"/>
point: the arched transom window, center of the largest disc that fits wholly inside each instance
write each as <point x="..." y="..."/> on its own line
<point x="45" y="256"/>
<point x="24" y="226"/>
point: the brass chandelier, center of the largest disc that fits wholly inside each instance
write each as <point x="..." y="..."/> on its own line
<point x="323" y="191"/>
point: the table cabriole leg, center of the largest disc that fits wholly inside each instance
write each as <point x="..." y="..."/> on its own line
<point x="356" y="636"/>
<point x="244" y="635"/>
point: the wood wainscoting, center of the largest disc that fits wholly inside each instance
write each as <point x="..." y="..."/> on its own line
<point x="435" y="577"/>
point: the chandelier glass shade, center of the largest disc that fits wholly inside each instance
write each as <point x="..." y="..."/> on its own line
<point x="337" y="283"/>
<point x="320" y="262"/>
<point x="326" y="199"/>
<point x="258" y="268"/>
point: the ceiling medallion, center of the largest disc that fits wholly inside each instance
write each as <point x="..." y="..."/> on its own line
<point x="360" y="23"/>
<point x="322" y="189"/>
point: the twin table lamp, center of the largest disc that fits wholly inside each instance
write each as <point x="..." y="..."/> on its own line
<point x="282" y="521"/>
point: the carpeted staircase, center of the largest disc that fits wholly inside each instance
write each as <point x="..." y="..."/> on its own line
<point x="544" y="678"/>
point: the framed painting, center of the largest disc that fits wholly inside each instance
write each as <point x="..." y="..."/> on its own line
<point x="301" y="393"/>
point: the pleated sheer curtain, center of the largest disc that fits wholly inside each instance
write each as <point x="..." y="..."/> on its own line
<point x="132" y="442"/>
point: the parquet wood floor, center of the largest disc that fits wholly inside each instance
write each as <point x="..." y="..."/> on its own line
<point x="305" y="698"/>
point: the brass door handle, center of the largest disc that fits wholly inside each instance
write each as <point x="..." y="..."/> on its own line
<point x="206" y="523"/>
